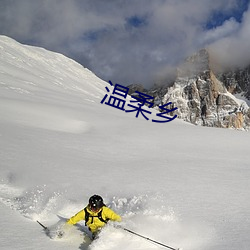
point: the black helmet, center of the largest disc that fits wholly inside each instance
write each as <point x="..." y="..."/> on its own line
<point x="96" y="202"/>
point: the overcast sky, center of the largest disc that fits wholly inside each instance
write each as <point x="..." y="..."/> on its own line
<point x="131" y="41"/>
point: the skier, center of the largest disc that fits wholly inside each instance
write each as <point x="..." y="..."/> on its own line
<point x="95" y="214"/>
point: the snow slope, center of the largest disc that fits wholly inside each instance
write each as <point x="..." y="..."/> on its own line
<point x="179" y="184"/>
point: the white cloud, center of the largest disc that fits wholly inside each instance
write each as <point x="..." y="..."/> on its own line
<point x="97" y="33"/>
<point x="233" y="50"/>
<point x="228" y="28"/>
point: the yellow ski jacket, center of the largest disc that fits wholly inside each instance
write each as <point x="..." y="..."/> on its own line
<point x="94" y="223"/>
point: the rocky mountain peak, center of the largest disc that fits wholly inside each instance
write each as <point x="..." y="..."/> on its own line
<point x="237" y="81"/>
<point x="204" y="97"/>
<point x="197" y="64"/>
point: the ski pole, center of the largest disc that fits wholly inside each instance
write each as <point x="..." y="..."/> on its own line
<point x="45" y="228"/>
<point x="146" y="238"/>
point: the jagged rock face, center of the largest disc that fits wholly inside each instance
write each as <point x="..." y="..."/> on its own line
<point x="203" y="99"/>
<point x="237" y="81"/>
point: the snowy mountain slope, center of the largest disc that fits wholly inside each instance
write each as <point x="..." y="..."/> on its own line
<point x="182" y="185"/>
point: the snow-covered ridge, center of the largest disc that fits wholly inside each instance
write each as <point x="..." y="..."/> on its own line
<point x="23" y="67"/>
<point x="33" y="74"/>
